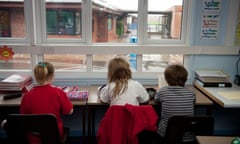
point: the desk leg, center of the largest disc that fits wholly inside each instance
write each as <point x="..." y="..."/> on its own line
<point x="93" y="123"/>
<point x="92" y="120"/>
<point x="89" y="124"/>
<point x="209" y="110"/>
<point x="84" y="124"/>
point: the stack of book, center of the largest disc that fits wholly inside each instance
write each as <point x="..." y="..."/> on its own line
<point x="212" y="78"/>
<point x="16" y="82"/>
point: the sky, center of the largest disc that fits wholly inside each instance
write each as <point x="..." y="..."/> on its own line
<point x="159" y="5"/>
<point x="153" y="4"/>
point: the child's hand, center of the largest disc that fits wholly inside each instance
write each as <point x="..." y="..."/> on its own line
<point x="3" y="123"/>
<point x="100" y="89"/>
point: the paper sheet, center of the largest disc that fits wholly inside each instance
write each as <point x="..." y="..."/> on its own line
<point x="231" y="95"/>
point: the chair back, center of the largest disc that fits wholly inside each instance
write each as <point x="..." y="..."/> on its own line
<point x="179" y="125"/>
<point x="18" y="126"/>
<point x="122" y="124"/>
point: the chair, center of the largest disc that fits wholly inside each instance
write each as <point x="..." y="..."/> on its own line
<point x="18" y="126"/>
<point x="197" y="125"/>
<point x="121" y="124"/>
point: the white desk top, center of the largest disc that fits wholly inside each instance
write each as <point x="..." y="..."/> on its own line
<point x="201" y="99"/>
<point x="228" y="97"/>
<point x="214" y="139"/>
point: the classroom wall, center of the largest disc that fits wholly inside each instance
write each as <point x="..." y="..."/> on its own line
<point x="226" y="119"/>
<point x="227" y="63"/>
<point x="227" y="17"/>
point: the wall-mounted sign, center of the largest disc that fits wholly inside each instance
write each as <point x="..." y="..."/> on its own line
<point x="6" y="53"/>
<point x="210" y="19"/>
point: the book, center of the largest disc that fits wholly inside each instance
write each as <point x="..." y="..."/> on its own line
<point x="212" y="78"/>
<point x="15" y="82"/>
<point x="213" y="84"/>
<point x="211" y="73"/>
<point x="16" y="79"/>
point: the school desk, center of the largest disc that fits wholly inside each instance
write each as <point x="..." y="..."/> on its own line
<point x="214" y="139"/>
<point x="201" y="99"/>
<point x="226" y="97"/>
<point x="94" y="103"/>
<point x="88" y="107"/>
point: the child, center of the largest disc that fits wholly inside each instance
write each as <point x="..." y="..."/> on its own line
<point x="175" y="99"/>
<point x="46" y="98"/>
<point x="121" y="89"/>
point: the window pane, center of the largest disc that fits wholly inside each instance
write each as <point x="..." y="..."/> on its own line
<point x="63" y="19"/>
<point x="100" y="62"/>
<point x="164" y="19"/>
<point x="67" y="61"/>
<point x="12" y="21"/>
<point x="114" y="21"/>
<point x="19" y="61"/>
<point x="158" y="63"/>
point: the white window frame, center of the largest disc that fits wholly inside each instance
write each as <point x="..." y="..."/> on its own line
<point x="37" y="46"/>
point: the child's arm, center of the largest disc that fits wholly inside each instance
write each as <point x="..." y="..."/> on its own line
<point x="102" y="94"/>
<point x="3" y="123"/>
<point x="99" y="90"/>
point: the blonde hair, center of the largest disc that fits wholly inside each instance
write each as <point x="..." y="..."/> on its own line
<point x="119" y="72"/>
<point x="43" y="72"/>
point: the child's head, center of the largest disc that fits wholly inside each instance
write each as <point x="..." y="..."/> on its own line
<point x="43" y="72"/>
<point x="119" y="69"/>
<point x="175" y="75"/>
<point x="119" y="72"/>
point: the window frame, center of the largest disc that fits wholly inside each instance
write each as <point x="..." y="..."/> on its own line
<point x="35" y="45"/>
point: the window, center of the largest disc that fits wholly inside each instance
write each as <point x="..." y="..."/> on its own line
<point x="13" y="31"/>
<point x="158" y="63"/>
<point x="63" y="20"/>
<point x="12" y="22"/>
<point x="5" y="23"/>
<point x="164" y="21"/>
<point x="109" y="22"/>
<point x="61" y="23"/>
<point x="67" y="62"/>
<point x="81" y="36"/>
<point x="115" y="21"/>
<point x="19" y="62"/>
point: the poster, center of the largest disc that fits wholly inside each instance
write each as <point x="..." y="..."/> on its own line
<point x="212" y="5"/>
<point x="210" y="19"/>
<point x="210" y="26"/>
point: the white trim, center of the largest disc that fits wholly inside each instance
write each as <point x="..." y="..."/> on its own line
<point x="124" y="49"/>
<point x="39" y="46"/>
<point x="87" y="21"/>
<point x="138" y="49"/>
<point x="231" y="23"/>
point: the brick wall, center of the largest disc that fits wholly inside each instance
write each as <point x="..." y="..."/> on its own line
<point x="176" y="21"/>
<point x="17" y="22"/>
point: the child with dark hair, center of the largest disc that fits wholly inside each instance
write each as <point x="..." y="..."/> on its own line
<point x="175" y="99"/>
